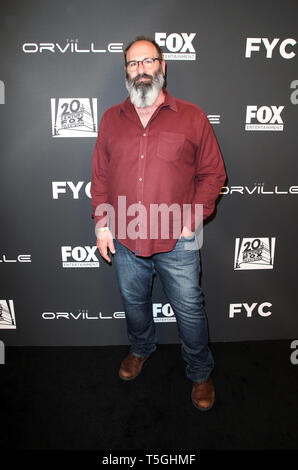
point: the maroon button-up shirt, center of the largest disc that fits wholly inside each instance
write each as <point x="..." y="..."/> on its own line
<point x="173" y="163"/>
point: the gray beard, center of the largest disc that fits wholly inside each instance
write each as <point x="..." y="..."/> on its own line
<point x="144" y="94"/>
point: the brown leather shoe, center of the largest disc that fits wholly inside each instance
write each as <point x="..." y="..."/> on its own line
<point x="203" y="395"/>
<point x="131" y="366"/>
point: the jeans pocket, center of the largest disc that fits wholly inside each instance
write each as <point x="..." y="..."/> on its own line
<point x="189" y="238"/>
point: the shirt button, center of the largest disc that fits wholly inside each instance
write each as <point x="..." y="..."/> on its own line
<point x="142" y="156"/>
<point x="144" y="135"/>
<point x="140" y="179"/>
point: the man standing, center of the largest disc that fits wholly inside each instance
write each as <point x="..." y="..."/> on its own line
<point x="155" y="156"/>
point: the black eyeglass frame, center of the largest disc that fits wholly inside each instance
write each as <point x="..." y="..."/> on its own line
<point x="142" y="61"/>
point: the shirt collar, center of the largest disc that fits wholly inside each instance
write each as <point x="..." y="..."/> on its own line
<point x="169" y="101"/>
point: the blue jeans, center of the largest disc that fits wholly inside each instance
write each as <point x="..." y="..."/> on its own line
<point x="179" y="274"/>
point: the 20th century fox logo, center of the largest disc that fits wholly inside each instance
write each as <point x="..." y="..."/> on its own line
<point x="254" y="253"/>
<point x="7" y="315"/>
<point x="74" y="117"/>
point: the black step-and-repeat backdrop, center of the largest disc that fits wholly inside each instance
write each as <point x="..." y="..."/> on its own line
<point x="61" y="68"/>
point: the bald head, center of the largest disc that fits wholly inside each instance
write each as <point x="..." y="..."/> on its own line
<point x="158" y="51"/>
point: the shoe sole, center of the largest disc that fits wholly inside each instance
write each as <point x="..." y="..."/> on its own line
<point x="203" y="409"/>
<point x="127" y="379"/>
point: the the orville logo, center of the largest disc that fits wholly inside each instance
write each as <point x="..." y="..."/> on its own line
<point x="74" y="117"/>
<point x="7" y="315"/>
<point x="254" y="253"/>
<point x="264" y="118"/>
<point x="82" y="314"/>
<point x="283" y="47"/>
<point x="259" y="189"/>
<point x="19" y="259"/>
<point x="71" y="46"/>
<point x="177" y="46"/>
<point x="249" y="310"/>
<point x="79" y="257"/>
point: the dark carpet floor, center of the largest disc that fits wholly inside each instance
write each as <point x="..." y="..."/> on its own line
<point x="72" y="398"/>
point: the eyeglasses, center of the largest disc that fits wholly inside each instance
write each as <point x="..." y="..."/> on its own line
<point x="147" y="63"/>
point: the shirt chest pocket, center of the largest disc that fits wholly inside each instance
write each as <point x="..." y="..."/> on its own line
<point x="170" y="145"/>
